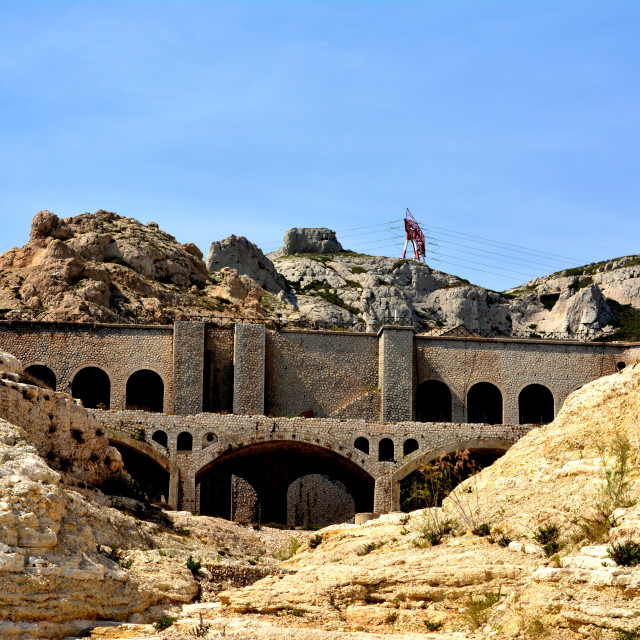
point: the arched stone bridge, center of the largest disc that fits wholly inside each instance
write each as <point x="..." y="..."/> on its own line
<point x="249" y="467"/>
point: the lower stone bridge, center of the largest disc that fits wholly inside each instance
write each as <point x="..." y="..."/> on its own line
<point x="289" y="470"/>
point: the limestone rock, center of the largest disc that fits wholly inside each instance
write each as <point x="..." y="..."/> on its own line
<point x="247" y="259"/>
<point x="9" y="363"/>
<point x="320" y="240"/>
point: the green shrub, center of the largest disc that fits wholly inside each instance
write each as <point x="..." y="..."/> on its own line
<point x="547" y="537"/>
<point x="483" y="530"/>
<point x="626" y="554"/>
<point x="289" y="551"/>
<point x="193" y="565"/>
<point x="356" y="270"/>
<point x="504" y="541"/>
<point x="432" y="626"/>
<point x="315" y="541"/>
<point x="399" y="263"/>
<point x="476" y="611"/>
<point x="164" y="623"/>
<point x="369" y="547"/>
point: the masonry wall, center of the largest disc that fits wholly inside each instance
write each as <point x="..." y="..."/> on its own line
<point x="218" y="370"/>
<point x="118" y="350"/>
<point x="249" y="369"/>
<point x="511" y="365"/>
<point x="321" y="371"/>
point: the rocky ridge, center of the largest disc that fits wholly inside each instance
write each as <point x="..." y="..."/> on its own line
<point x="107" y="268"/>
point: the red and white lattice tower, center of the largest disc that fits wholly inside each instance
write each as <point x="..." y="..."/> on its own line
<point x="415" y="235"/>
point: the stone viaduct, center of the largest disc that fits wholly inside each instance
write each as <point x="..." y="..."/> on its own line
<point x="302" y="426"/>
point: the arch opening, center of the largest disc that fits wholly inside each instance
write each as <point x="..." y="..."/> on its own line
<point x="428" y="485"/>
<point x="43" y="374"/>
<point x="145" y="390"/>
<point x="279" y="497"/>
<point x="152" y="478"/>
<point x="433" y="402"/>
<point x="93" y="386"/>
<point x="385" y="450"/>
<point x="410" y="446"/>
<point x="161" y="438"/>
<point x="484" y="404"/>
<point x="535" y="405"/>
<point x="184" y="442"/>
<point x="362" y="444"/>
<point x="208" y="439"/>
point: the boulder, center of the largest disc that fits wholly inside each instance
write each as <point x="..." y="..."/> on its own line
<point x="247" y="259"/>
<point x="311" y="241"/>
<point x="9" y="363"/>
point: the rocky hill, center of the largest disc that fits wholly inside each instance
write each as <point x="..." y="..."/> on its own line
<point x="104" y="267"/>
<point x="107" y="268"/>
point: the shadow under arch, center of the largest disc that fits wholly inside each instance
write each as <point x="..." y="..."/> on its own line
<point x="493" y="447"/>
<point x="154" y="472"/>
<point x="270" y="467"/>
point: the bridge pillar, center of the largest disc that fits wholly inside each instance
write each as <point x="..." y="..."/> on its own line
<point x="395" y="372"/>
<point x="382" y="498"/>
<point x="188" y="486"/>
<point x="174" y="487"/>
<point x="249" y="369"/>
<point x="188" y="367"/>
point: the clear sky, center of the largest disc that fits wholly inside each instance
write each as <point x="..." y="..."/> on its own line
<point x="514" y="121"/>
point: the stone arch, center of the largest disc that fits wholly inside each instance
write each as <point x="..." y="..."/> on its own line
<point x="495" y="446"/>
<point x="148" y="465"/>
<point x="42" y="373"/>
<point x="433" y="402"/>
<point x="292" y="458"/>
<point x="362" y="444"/>
<point x="92" y="385"/>
<point x="386" y="450"/>
<point x="208" y="439"/>
<point x="145" y="390"/>
<point x="535" y="404"/>
<point x="410" y="446"/>
<point x="184" y="441"/>
<point x="161" y="438"/>
<point x="484" y="403"/>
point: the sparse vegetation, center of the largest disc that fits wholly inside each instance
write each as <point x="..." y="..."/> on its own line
<point x="164" y="623"/>
<point x="483" y="530"/>
<point x="626" y="554"/>
<point x="614" y="490"/>
<point x="356" y="270"/>
<point x="549" y="300"/>
<point x="548" y="538"/>
<point x="315" y="541"/>
<point x="289" y="551"/>
<point x="433" y="625"/>
<point x="193" y="565"/>
<point x="477" y="610"/>
<point x="371" y="546"/>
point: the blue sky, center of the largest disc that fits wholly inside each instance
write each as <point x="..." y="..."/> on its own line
<point x="514" y="121"/>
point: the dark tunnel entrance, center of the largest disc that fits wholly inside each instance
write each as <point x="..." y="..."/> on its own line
<point x="535" y="405"/>
<point x="145" y="390"/>
<point x="484" y="404"/>
<point x="418" y="489"/>
<point x="93" y="387"/>
<point x="433" y="402"/>
<point x="263" y="473"/>
<point x="44" y="374"/>
<point x="151" y="477"/>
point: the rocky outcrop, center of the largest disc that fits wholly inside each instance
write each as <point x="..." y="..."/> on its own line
<point x="247" y="259"/>
<point x="321" y="240"/>
<point x="9" y="363"/>
<point x="108" y="268"/>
